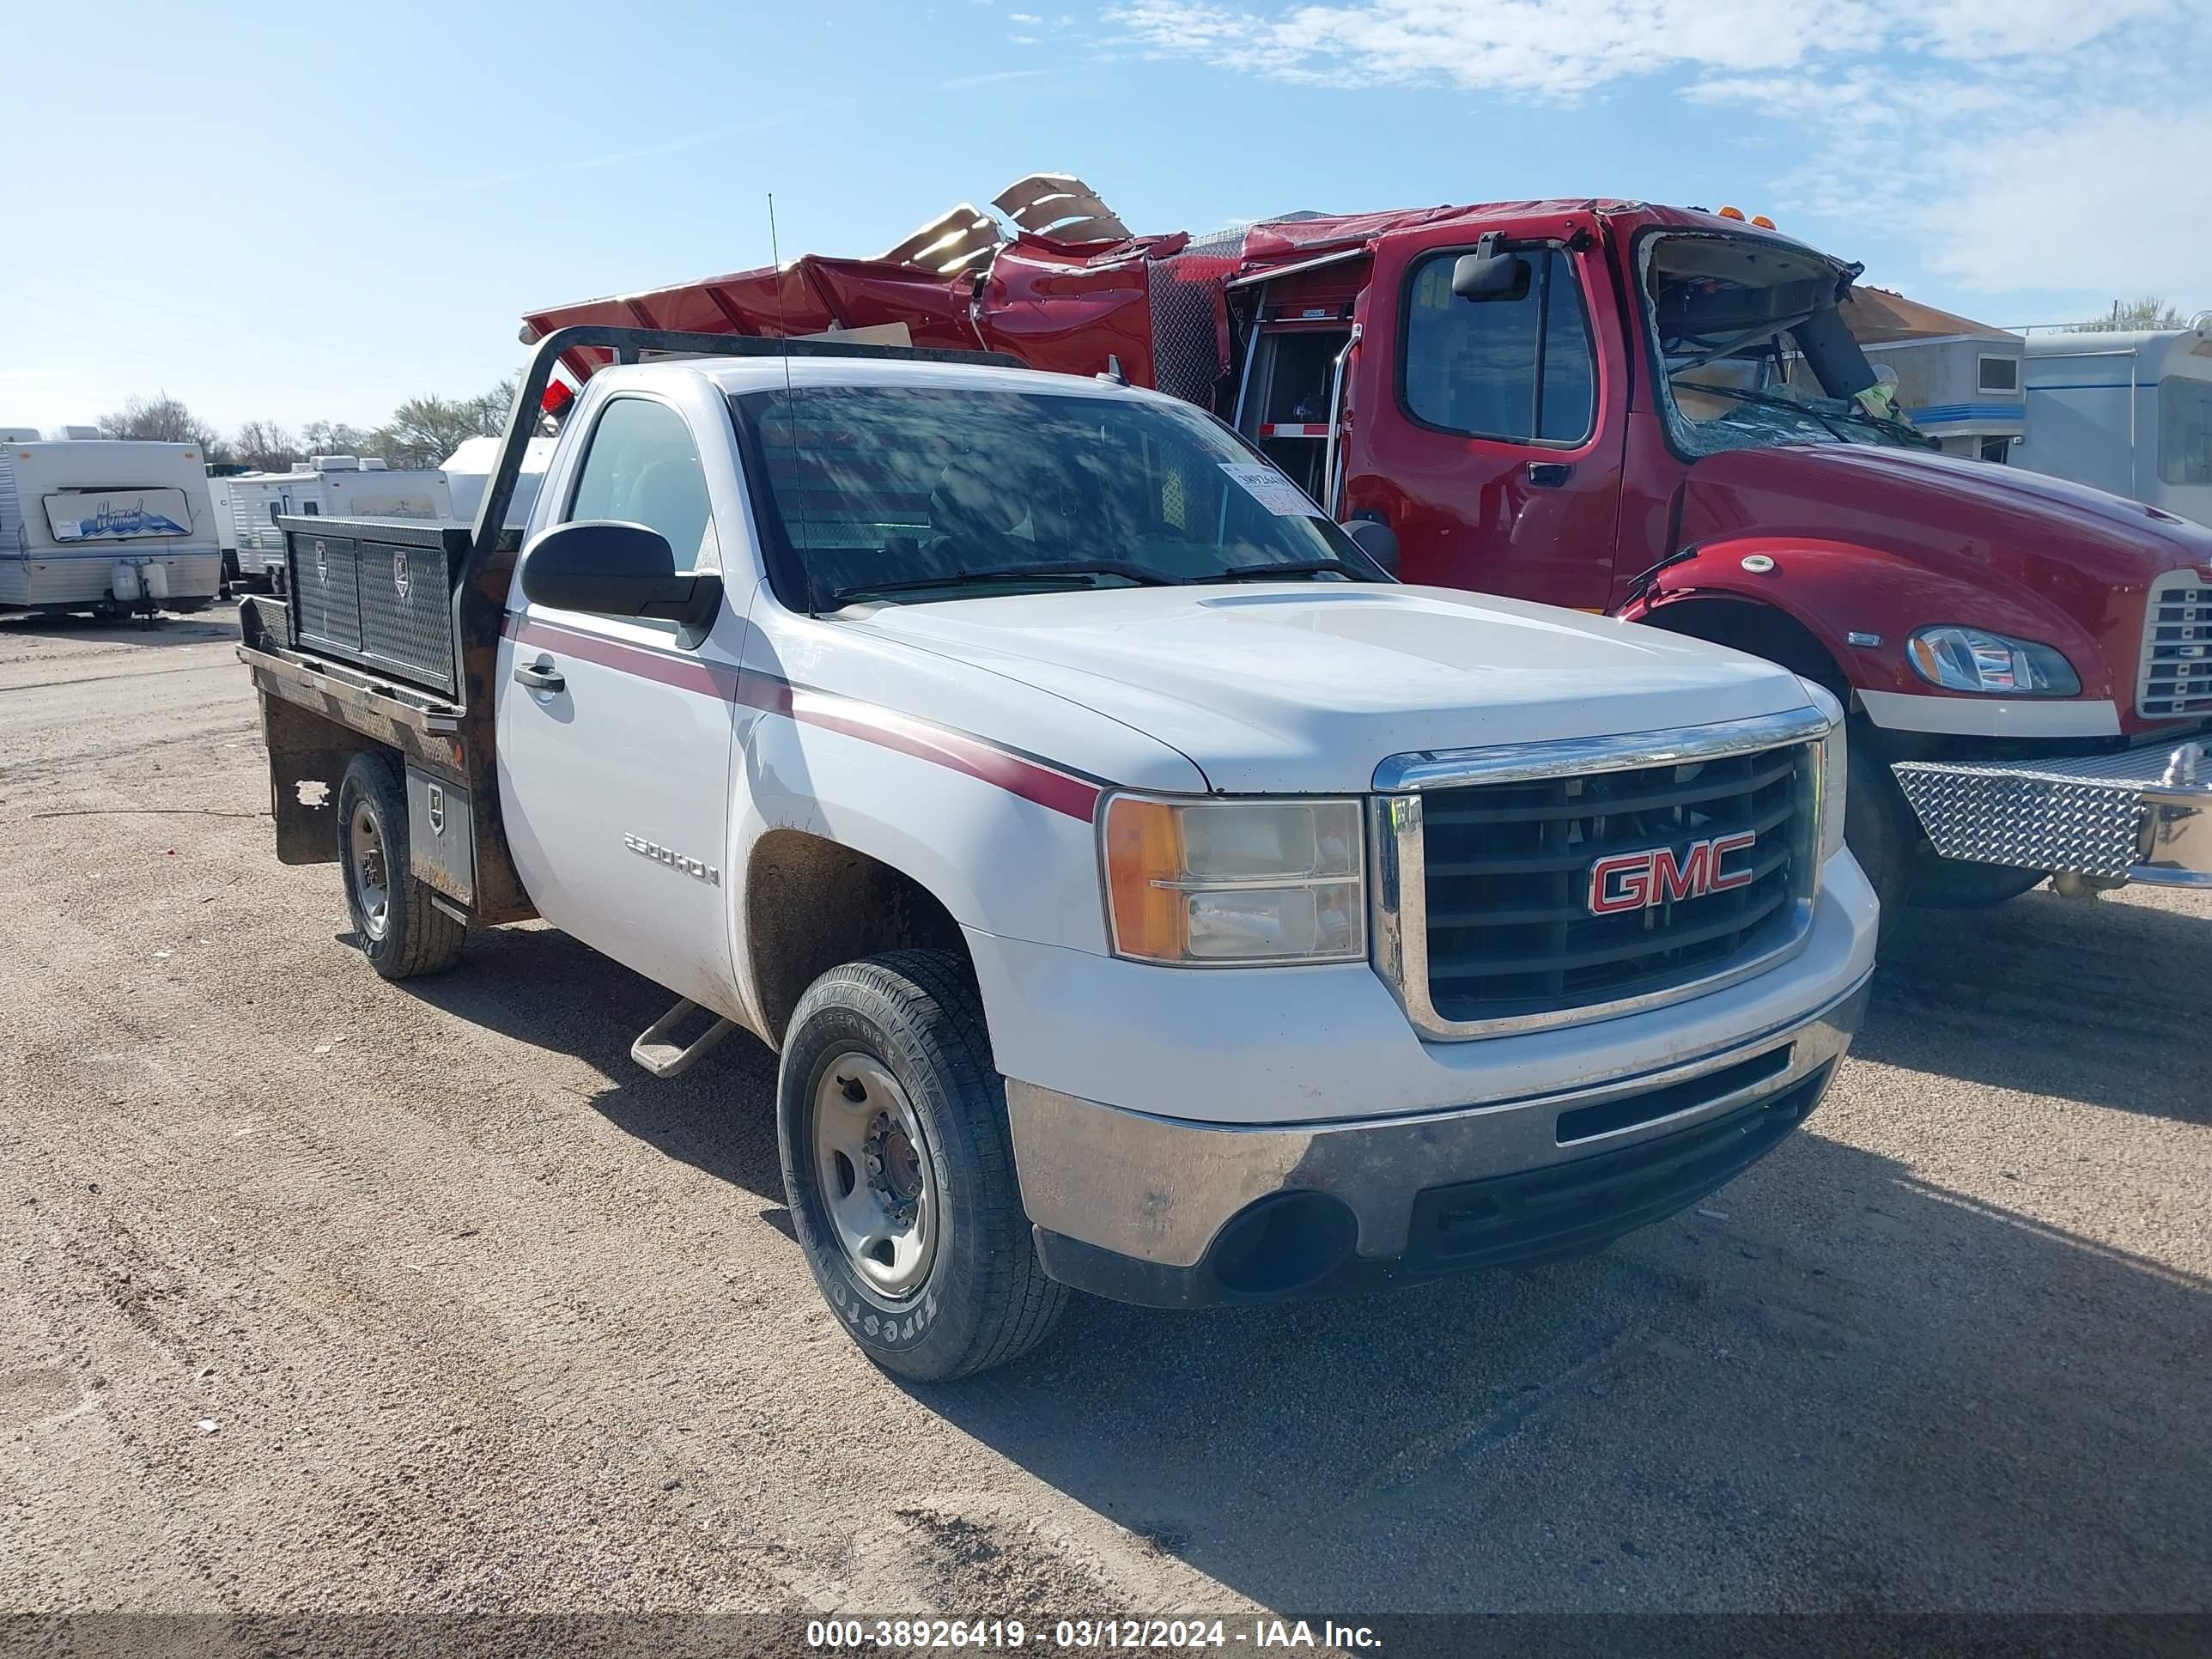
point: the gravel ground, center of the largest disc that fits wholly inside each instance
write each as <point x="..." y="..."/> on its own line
<point x="321" y="1294"/>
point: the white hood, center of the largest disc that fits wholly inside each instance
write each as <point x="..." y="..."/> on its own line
<point x="1303" y="687"/>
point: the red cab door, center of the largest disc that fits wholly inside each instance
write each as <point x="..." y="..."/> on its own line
<point x="1487" y="432"/>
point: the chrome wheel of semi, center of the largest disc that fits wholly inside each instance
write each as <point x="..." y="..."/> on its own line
<point x="872" y="1162"/>
<point x="370" y="870"/>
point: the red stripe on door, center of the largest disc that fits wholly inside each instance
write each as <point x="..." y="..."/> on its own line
<point x="1018" y="774"/>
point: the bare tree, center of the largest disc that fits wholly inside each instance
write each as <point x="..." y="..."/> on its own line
<point x="161" y="419"/>
<point x="338" y="438"/>
<point x="266" y="446"/>
<point x="2149" y="312"/>
<point x="424" y="431"/>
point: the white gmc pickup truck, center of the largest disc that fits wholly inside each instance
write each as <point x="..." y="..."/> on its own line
<point x="1145" y="892"/>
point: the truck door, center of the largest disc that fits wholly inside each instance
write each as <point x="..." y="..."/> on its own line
<point x="615" y="733"/>
<point x="1487" y="432"/>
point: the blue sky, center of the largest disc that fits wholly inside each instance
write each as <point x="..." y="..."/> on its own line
<point x="292" y="214"/>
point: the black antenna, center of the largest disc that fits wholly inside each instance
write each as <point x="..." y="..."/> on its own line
<point x="775" y="257"/>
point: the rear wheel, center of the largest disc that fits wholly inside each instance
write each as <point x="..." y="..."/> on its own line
<point x="891" y="1120"/>
<point x="400" y="930"/>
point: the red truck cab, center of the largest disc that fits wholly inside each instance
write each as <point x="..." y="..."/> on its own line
<point x="1652" y="412"/>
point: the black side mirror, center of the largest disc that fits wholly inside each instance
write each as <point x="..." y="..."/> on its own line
<point x="610" y="569"/>
<point x="1490" y="272"/>
<point x="1376" y="540"/>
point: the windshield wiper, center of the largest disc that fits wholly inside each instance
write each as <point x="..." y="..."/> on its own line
<point x="1850" y="412"/>
<point x="1767" y="399"/>
<point x="1268" y="572"/>
<point x="1143" y="576"/>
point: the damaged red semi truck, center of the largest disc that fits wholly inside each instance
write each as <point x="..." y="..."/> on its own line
<point x="1657" y="413"/>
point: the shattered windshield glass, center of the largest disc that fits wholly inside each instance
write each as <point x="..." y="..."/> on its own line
<point x="1728" y="315"/>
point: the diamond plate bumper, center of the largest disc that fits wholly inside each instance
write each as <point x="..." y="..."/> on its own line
<point x="2143" y="816"/>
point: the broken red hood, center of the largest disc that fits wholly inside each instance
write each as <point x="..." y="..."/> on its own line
<point x="1158" y="304"/>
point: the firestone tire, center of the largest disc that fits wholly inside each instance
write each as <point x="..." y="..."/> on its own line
<point x="891" y="1122"/>
<point x="399" y="930"/>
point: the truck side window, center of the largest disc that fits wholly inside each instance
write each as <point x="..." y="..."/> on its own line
<point x="1519" y="369"/>
<point x="2184" y="431"/>
<point x="642" y="467"/>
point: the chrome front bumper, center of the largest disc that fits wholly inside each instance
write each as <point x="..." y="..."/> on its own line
<point x="2144" y="815"/>
<point x="1171" y="1212"/>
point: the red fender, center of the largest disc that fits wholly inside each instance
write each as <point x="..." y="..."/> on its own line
<point x="1841" y="592"/>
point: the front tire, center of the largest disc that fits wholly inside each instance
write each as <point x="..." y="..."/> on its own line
<point x="1941" y="884"/>
<point x="1878" y="822"/>
<point x="892" y="1122"/>
<point x="401" y="932"/>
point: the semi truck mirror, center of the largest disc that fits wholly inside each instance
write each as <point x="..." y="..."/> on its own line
<point x="1376" y="540"/>
<point x="1490" y="272"/>
<point x="611" y="568"/>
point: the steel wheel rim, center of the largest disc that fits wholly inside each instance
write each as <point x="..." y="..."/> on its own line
<point x="872" y="1167"/>
<point x="371" y="871"/>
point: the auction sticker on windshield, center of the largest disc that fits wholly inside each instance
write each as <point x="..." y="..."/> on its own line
<point x="1272" y="490"/>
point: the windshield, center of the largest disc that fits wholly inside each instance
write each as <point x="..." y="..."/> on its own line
<point x="921" y="494"/>
<point x="1754" y="351"/>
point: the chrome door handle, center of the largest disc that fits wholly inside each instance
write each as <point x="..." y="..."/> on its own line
<point x="1549" y="475"/>
<point x="540" y="675"/>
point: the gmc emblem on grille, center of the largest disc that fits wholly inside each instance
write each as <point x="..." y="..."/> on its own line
<point x="1637" y="881"/>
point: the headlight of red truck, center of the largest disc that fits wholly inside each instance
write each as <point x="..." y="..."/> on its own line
<point x="1225" y="883"/>
<point x="1974" y="660"/>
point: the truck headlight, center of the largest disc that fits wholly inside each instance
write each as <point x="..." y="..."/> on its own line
<point x="1835" y="769"/>
<point x="1201" y="883"/>
<point x="1973" y="660"/>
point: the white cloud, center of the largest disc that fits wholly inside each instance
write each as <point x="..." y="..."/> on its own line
<point x="2020" y="144"/>
<point x="2117" y="199"/>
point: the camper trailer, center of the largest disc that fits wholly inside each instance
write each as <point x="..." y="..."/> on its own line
<point x="226" y="523"/>
<point x="338" y="486"/>
<point x="106" y="525"/>
<point x="469" y="467"/>
<point x="1957" y="380"/>
<point x="2130" y="413"/>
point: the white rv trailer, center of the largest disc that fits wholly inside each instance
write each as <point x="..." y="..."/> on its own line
<point x="226" y="526"/>
<point x="469" y="468"/>
<point x="105" y="525"/>
<point x="342" y="486"/>
<point x="1957" y="379"/>
<point x="2130" y="413"/>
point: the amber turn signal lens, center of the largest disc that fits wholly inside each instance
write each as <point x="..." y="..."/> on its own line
<point x="1144" y="858"/>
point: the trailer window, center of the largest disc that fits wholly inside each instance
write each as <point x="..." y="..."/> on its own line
<point x="2184" y="431"/>
<point x="1519" y="369"/>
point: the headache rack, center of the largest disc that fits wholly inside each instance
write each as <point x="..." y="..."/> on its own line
<point x="389" y="630"/>
<point x="409" y="601"/>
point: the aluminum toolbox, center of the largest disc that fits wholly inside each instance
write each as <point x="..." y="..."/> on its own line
<point x="377" y="592"/>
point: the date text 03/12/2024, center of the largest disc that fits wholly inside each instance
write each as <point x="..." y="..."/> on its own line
<point x="1109" y="1635"/>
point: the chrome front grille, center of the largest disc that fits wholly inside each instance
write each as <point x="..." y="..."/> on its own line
<point x="2175" y="680"/>
<point x="1550" y="885"/>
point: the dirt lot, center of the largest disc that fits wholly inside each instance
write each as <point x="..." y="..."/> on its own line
<point x="321" y="1293"/>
